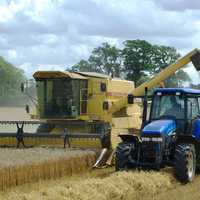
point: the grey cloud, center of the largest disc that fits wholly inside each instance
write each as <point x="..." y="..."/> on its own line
<point x="90" y="18"/>
<point x="22" y="23"/>
<point x="66" y="32"/>
<point x="179" y="5"/>
<point x="95" y="20"/>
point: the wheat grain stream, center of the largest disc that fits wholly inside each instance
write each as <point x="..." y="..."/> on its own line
<point x="104" y="184"/>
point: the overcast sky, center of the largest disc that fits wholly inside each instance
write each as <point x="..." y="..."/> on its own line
<point x="55" y="34"/>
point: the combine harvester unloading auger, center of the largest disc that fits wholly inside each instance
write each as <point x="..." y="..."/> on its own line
<point x="86" y="110"/>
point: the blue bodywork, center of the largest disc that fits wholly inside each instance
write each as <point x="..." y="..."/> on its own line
<point x="174" y="90"/>
<point x="160" y="127"/>
<point x="196" y="129"/>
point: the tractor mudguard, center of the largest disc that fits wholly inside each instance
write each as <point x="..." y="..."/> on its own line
<point x="186" y="139"/>
<point x="129" y="138"/>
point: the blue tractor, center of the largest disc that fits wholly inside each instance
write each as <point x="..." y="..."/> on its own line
<point x="169" y="137"/>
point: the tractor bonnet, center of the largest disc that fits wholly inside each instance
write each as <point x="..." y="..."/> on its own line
<point x="160" y="127"/>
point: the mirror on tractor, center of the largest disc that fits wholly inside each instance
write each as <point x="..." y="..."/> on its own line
<point x="27" y="109"/>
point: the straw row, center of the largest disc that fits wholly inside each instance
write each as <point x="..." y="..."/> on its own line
<point x="116" y="186"/>
<point x="14" y="175"/>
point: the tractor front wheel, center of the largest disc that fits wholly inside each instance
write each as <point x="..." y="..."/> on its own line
<point x="123" y="153"/>
<point x="185" y="162"/>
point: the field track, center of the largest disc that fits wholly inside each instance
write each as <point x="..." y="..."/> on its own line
<point x="13" y="113"/>
<point x="184" y="192"/>
<point x="105" y="184"/>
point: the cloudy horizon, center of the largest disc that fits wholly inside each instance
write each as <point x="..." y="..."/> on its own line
<point x="55" y="34"/>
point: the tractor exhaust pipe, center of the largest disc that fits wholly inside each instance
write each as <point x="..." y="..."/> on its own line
<point x="145" y="106"/>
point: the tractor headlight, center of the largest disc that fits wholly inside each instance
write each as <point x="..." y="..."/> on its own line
<point x="152" y="139"/>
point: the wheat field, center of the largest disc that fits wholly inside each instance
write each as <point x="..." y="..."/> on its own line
<point x="57" y="174"/>
<point x="96" y="186"/>
<point x="19" y="166"/>
<point x="106" y="184"/>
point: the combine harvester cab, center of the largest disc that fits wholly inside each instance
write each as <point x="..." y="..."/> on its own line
<point x="63" y="105"/>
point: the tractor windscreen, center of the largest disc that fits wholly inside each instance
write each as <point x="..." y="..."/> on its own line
<point x="167" y="106"/>
<point x="62" y="98"/>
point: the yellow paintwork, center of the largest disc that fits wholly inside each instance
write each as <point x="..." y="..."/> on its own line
<point x="79" y="142"/>
<point x="57" y="74"/>
<point x="58" y="142"/>
<point x="11" y="141"/>
<point x="116" y="89"/>
<point x="123" y="118"/>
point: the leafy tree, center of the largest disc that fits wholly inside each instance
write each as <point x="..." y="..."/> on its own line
<point x="104" y="59"/>
<point x="137" y="56"/>
<point x="107" y="59"/>
<point x="142" y="60"/>
<point x="83" y="66"/>
<point x="164" y="56"/>
<point x="178" y="79"/>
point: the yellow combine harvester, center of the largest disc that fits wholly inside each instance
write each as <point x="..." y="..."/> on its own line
<point x="80" y="109"/>
<point x="76" y="104"/>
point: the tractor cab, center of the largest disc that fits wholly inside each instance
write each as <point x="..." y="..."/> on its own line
<point x="170" y="137"/>
<point x="179" y="108"/>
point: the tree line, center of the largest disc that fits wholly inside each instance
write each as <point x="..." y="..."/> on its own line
<point x="10" y="78"/>
<point x="137" y="61"/>
<point x="10" y="81"/>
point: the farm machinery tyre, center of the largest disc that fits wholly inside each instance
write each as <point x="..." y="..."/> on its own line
<point x="123" y="153"/>
<point x="185" y="162"/>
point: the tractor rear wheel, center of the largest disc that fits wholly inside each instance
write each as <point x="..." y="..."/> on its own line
<point x="185" y="162"/>
<point x="123" y="152"/>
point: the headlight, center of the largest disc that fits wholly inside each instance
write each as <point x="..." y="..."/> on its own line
<point x="152" y="139"/>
